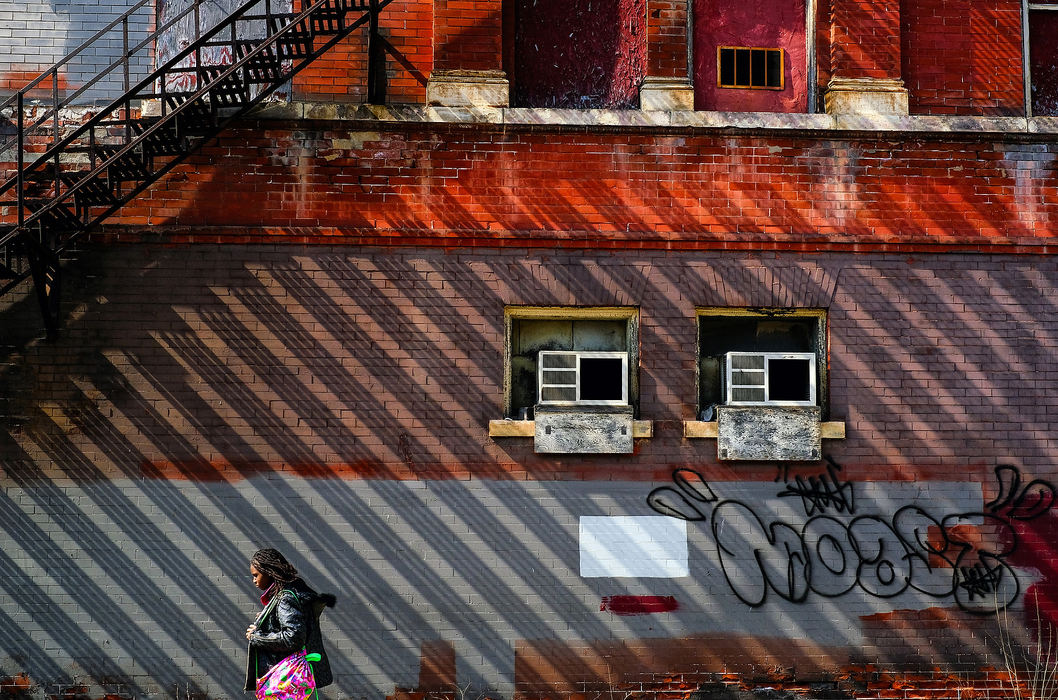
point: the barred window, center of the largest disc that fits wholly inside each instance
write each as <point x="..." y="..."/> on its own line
<point x="750" y="67"/>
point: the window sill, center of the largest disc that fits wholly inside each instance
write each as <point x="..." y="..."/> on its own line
<point x="832" y="430"/>
<point x="527" y="428"/>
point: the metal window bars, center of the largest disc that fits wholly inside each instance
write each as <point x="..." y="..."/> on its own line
<point x="69" y="178"/>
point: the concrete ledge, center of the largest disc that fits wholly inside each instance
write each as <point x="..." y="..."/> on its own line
<point x="633" y="119"/>
<point x="666" y="95"/>
<point x="527" y="428"/>
<point x="833" y="430"/>
<point x="468" y="88"/>
<point x="860" y="96"/>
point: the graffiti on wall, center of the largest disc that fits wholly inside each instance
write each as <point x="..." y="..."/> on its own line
<point x="830" y="548"/>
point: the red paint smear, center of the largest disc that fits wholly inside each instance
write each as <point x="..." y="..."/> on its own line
<point x="638" y="604"/>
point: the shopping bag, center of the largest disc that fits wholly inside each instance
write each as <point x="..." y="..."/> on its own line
<point x="290" y="679"/>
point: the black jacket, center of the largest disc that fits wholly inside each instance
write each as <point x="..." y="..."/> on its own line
<point x="293" y="623"/>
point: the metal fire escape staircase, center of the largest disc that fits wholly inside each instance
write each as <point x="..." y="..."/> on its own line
<point x="68" y="179"/>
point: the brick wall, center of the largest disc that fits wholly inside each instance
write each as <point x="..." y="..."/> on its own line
<point x="962" y="58"/>
<point x="667" y="36"/>
<point x="340" y="75"/>
<point x="955" y="57"/>
<point x="333" y="401"/>
<point x="865" y="39"/>
<point x="36" y="35"/>
<point x="448" y="185"/>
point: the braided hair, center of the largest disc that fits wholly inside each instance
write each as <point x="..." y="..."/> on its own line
<point x="274" y="565"/>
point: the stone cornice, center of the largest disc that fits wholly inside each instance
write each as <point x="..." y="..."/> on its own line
<point x="376" y="116"/>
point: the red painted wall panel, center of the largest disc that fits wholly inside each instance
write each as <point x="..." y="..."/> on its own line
<point x="759" y="23"/>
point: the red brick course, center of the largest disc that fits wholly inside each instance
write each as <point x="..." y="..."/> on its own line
<point x="326" y="182"/>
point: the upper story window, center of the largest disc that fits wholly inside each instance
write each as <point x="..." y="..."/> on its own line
<point x="761" y="357"/>
<point x="570" y="356"/>
<point x="750" y="57"/>
<point x="1043" y="58"/>
<point x="575" y="54"/>
<point x="748" y="67"/>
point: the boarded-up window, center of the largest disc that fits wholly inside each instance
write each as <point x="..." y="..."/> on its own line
<point x="1043" y="59"/>
<point x="578" y="53"/>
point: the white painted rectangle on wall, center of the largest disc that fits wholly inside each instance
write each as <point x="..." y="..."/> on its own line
<point x="633" y="546"/>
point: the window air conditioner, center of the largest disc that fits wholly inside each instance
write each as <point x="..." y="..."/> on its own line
<point x="582" y="378"/>
<point x="771" y="378"/>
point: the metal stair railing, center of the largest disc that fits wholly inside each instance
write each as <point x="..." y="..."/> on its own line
<point x="84" y="176"/>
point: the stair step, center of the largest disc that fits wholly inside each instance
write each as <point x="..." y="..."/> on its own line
<point x="58" y="217"/>
<point x="265" y="67"/>
<point x="132" y="167"/>
<point x="297" y="41"/>
<point x="94" y="192"/>
<point x="196" y="118"/>
<point x="227" y="91"/>
<point x="163" y="141"/>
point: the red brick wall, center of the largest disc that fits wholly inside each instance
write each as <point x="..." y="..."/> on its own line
<point x="667" y="35"/>
<point x="552" y="187"/>
<point x="865" y="38"/>
<point x="962" y="57"/>
<point x="467" y="34"/>
<point x="340" y="75"/>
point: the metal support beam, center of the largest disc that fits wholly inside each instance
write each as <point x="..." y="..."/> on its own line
<point x="47" y="277"/>
<point x="376" y="59"/>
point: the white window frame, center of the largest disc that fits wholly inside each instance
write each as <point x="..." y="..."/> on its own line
<point x="579" y="355"/>
<point x="730" y="384"/>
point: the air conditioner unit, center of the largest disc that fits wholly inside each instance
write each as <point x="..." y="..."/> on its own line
<point x="771" y="378"/>
<point x="582" y="378"/>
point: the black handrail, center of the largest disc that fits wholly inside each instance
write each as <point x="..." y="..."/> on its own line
<point x="203" y="91"/>
<point x="79" y="197"/>
<point x="53" y="71"/>
<point x="53" y="111"/>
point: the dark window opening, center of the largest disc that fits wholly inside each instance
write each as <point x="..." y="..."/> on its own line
<point x="576" y="54"/>
<point x="600" y="378"/>
<point x="749" y="67"/>
<point x="1043" y="59"/>
<point x="789" y="380"/>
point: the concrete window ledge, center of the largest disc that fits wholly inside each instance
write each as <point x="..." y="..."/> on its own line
<point x="833" y="430"/>
<point x="527" y="428"/>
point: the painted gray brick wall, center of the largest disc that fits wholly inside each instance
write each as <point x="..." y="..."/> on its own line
<point x="207" y="400"/>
